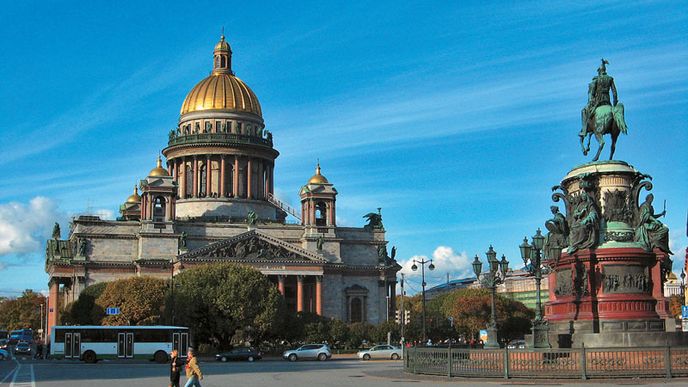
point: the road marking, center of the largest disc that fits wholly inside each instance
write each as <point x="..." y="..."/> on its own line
<point x="23" y="377"/>
<point x="10" y="373"/>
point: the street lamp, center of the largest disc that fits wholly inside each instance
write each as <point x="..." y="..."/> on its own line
<point x="683" y="287"/>
<point x="532" y="259"/>
<point x="422" y="263"/>
<point x="495" y="276"/>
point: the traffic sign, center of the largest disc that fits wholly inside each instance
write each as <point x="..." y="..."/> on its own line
<point x="684" y="311"/>
<point x="111" y="311"/>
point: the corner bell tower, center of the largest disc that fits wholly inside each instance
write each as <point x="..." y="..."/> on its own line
<point x="318" y="209"/>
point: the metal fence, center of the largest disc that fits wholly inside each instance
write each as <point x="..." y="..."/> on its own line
<point x="548" y="363"/>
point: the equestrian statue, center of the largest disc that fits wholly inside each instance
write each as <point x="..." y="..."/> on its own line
<point x="600" y="116"/>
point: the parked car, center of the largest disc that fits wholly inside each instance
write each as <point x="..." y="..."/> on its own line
<point x="240" y="353"/>
<point x="516" y="344"/>
<point x="4" y="344"/>
<point x="4" y="355"/>
<point x="308" y="351"/>
<point x="380" y="352"/>
<point x="23" y="348"/>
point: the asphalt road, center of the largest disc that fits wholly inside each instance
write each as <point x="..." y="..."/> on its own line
<point x="31" y="373"/>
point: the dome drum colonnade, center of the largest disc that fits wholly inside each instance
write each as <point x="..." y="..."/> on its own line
<point x="220" y="150"/>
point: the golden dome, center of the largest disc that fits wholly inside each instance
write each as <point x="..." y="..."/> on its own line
<point x="222" y="45"/>
<point x="318" y="178"/>
<point x="672" y="276"/>
<point x="221" y="91"/>
<point x="134" y="198"/>
<point x="158" y="171"/>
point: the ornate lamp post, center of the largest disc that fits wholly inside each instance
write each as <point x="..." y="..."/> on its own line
<point x="683" y="287"/>
<point x="495" y="276"/>
<point x="422" y="263"/>
<point x="532" y="259"/>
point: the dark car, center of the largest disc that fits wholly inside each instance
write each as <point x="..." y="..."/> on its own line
<point x="240" y="353"/>
<point x="22" y="348"/>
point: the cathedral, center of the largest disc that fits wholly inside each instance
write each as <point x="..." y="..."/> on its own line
<point x="212" y="200"/>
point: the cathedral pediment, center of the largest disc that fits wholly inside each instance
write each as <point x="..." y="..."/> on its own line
<point x="253" y="246"/>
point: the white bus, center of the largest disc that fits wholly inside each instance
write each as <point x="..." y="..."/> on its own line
<point x="91" y="343"/>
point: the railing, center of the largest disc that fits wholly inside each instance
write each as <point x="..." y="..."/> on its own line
<point x="284" y="206"/>
<point x="218" y="137"/>
<point x="548" y="363"/>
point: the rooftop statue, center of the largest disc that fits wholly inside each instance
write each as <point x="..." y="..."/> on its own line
<point x="602" y="116"/>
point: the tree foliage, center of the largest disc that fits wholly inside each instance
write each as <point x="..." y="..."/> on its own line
<point x="470" y="310"/>
<point x="220" y="300"/>
<point x="22" y="312"/>
<point x="675" y="304"/>
<point x="85" y="311"/>
<point x="140" y="300"/>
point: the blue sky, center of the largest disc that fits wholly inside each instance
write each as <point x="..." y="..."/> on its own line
<point x="455" y="119"/>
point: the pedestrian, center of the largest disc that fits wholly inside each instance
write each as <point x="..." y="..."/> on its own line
<point x="193" y="373"/>
<point x="176" y="365"/>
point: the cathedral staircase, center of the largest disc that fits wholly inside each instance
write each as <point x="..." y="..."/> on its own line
<point x="284" y="206"/>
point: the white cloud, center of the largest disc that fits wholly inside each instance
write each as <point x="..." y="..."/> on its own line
<point x="105" y="214"/>
<point x="446" y="260"/>
<point x="23" y="227"/>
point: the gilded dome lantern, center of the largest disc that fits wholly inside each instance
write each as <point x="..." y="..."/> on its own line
<point x="220" y="153"/>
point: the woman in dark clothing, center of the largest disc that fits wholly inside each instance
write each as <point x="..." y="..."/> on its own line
<point x="176" y="365"/>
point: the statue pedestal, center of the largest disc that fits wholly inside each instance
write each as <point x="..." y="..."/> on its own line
<point x="610" y="291"/>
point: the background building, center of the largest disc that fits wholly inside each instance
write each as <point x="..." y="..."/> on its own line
<point x="212" y="200"/>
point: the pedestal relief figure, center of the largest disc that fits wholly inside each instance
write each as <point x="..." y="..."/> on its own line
<point x="585" y="225"/>
<point x="650" y="232"/>
<point x="558" y="234"/>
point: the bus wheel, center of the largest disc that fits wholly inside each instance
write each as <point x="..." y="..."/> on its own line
<point x="160" y="357"/>
<point x="90" y="357"/>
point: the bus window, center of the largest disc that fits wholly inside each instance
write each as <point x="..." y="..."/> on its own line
<point x="175" y="342"/>
<point x="130" y="345"/>
<point x="184" y="343"/>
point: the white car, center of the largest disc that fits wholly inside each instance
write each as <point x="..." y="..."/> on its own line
<point x="309" y="351"/>
<point x="4" y="354"/>
<point x="380" y="352"/>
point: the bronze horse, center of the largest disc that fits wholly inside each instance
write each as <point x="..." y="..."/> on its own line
<point x="606" y="119"/>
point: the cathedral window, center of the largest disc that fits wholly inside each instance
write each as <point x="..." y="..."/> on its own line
<point x="204" y="173"/>
<point x="320" y="214"/>
<point x="356" y="310"/>
<point x="159" y="209"/>
<point x="188" y="181"/>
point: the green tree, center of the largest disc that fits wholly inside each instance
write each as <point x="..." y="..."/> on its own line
<point x="139" y="299"/>
<point x="675" y="306"/>
<point x="85" y="311"/>
<point x="219" y="300"/>
<point x="470" y="310"/>
<point x="22" y="312"/>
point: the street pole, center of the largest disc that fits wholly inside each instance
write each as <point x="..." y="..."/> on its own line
<point x="422" y="263"/>
<point x="493" y="277"/>
<point x="422" y="270"/>
<point x="402" y="317"/>
<point x="533" y="254"/>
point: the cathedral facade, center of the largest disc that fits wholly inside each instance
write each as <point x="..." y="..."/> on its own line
<point x="212" y="200"/>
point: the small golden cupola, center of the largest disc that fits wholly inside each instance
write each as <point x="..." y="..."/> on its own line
<point x="318" y="205"/>
<point x="158" y="171"/>
<point x="222" y="57"/>
<point x="134" y="198"/>
<point x="318" y="178"/>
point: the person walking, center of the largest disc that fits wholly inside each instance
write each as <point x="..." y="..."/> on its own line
<point x="176" y="365"/>
<point x="193" y="373"/>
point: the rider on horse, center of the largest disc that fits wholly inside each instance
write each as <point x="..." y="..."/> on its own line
<point x="598" y="95"/>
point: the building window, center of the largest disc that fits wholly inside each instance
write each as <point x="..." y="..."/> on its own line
<point x="159" y="209"/>
<point x="188" y="181"/>
<point x="356" y="310"/>
<point x="204" y="173"/>
<point x="320" y="214"/>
